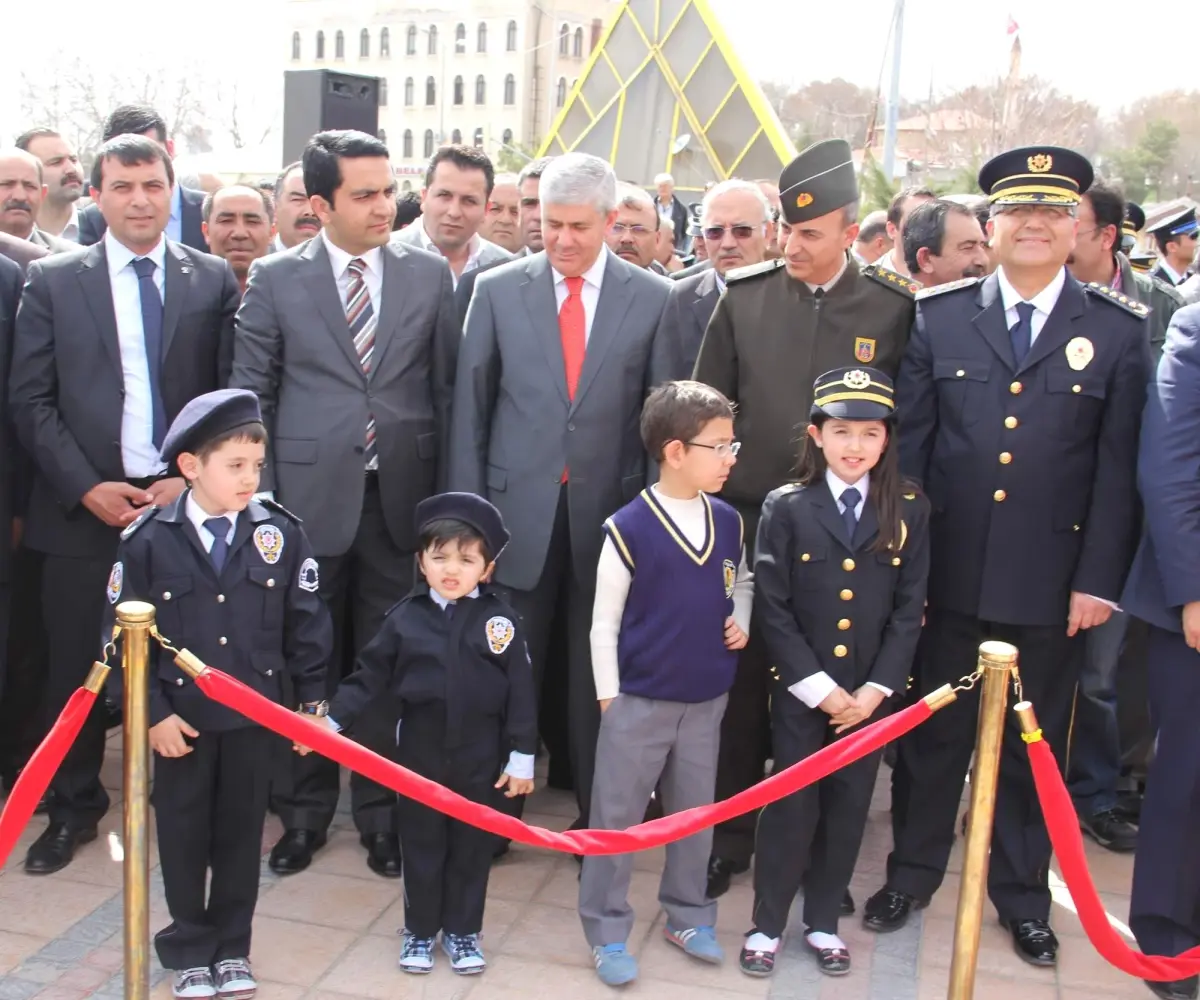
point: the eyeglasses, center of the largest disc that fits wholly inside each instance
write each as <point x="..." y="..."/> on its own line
<point x="722" y="450"/>
<point x="742" y="232"/>
<point x="620" y="229"/>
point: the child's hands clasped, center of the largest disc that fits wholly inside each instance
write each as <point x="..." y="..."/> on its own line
<point x="167" y="738"/>
<point x="735" y="638"/>
<point x="516" y="786"/>
<point x="849" y="710"/>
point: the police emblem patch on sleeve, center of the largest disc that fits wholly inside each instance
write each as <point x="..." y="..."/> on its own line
<point x="115" y="580"/>
<point x="730" y="573"/>
<point x="268" y="539"/>
<point x="500" y="633"/>
<point x="309" y="578"/>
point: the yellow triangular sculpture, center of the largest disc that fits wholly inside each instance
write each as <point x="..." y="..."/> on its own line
<point x="664" y="70"/>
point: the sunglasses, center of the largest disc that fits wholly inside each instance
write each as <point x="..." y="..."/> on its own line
<point x="718" y="232"/>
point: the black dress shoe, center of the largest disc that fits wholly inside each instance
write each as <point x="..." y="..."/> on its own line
<point x="720" y="871"/>
<point x="383" y="854"/>
<point x="888" y="910"/>
<point x="1111" y="830"/>
<point x="293" y="852"/>
<point x="847" y="907"/>
<point x="1033" y="941"/>
<point x="1179" y="989"/>
<point x="55" y="848"/>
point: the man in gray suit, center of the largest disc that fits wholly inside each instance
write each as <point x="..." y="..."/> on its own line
<point x="458" y="183"/>
<point x="350" y="343"/>
<point x="734" y="219"/>
<point x="21" y="192"/>
<point x="554" y="366"/>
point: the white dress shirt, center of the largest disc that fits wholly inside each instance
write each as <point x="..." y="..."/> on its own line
<point x="593" y="278"/>
<point x="339" y="260"/>
<point x="474" y="249"/>
<point x="71" y="229"/>
<point x="198" y="515"/>
<point x="1042" y="303"/>
<point x="141" y="459"/>
<point x="815" y="688"/>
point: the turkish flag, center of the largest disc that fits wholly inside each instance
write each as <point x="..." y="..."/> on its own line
<point x="1013" y="27"/>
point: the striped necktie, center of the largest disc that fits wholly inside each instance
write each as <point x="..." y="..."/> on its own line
<point x="360" y="315"/>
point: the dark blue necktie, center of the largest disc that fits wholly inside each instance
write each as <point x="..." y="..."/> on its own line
<point x="449" y="609"/>
<point x="850" y="499"/>
<point x="152" y="331"/>
<point x="218" y="527"/>
<point x="1022" y="331"/>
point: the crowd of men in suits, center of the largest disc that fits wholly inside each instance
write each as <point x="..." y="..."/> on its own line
<point x="153" y="293"/>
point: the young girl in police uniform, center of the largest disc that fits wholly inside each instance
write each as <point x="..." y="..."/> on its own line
<point x="841" y="564"/>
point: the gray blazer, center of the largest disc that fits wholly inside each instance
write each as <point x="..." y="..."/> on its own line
<point x="514" y="427"/>
<point x="294" y="349"/>
<point x="689" y="308"/>
<point x="54" y="244"/>
<point x="489" y="252"/>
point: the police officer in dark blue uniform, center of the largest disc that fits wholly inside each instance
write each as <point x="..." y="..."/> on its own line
<point x="1175" y="237"/>
<point x="1164" y="591"/>
<point x="234" y="581"/>
<point x="1020" y="397"/>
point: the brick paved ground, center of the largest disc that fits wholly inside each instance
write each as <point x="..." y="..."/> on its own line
<point x="330" y="933"/>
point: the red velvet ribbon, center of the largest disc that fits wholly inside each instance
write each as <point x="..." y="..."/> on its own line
<point x="1063" y="825"/>
<point x="35" y="776"/>
<point x="232" y="693"/>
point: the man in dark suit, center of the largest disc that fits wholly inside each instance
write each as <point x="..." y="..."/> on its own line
<point x="184" y="221"/>
<point x="22" y="190"/>
<point x="734" y="225"/>
<point x="350" y="342"/>
<point x="1164" y="591"/>
<point x="554" y="368"/>
<point x="10" y="295"/>
<point x="672" y="211"/>
<point x="1020" y="397"/>
<point x="111" y="342"/>
<point x="20" y="252"/>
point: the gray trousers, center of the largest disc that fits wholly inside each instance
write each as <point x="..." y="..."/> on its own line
<point x="646" y="743"/>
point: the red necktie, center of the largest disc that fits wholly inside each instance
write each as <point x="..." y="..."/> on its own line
<point x="572" y="327"/>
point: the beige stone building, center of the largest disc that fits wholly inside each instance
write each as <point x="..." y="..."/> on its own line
<point x="490" y="72"/>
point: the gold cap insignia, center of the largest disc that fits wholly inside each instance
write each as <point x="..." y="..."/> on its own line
<point x="1040" y="163"/>
<point x="803" y="199"/>
<point x="857" y="379"/>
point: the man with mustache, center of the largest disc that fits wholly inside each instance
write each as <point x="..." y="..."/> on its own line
<point x="943" y="242"/>
<point x="295" y="221"/>
<point x="63" y="176"/>
<point x="239" y="223"/>
<point x="634" y="236"/>
<point x="22" y="190"/>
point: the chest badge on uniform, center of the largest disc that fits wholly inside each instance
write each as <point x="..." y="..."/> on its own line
<point x="864" y="350"/>
<point x="115" y="580"/>
<point x="309" y="578"/>
<point x="1080" y="353"/>
<point x="268" y="539"/>
<point x="730" y="572"/>
<point x="500" y="633"/>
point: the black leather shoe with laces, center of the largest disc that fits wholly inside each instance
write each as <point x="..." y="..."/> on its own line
<point x="1111" y="830"/>
<point x="1033" y="941"/>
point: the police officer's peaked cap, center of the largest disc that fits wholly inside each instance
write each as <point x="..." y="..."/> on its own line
<point x="1036" y="175"/>
<point x="693" y="227"/>
<point x="856" y="393"/>
<point x="1178" y="223"/>
<point x="1135" y="219"/>
<point x="207" y="417"/>
<point x="469" y="508"/>
<point x="818" y="181"/>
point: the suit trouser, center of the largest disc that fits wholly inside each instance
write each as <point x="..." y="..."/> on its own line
<point x="73" y="595"/>
<point x="23" y="685"/>
<point x="209" y="808"/>
<point x="360" y="587"/>
<point x="933" y="760"/>
<point x="1164" y="911"/>
<point x="643" y="740"/>
<point x="1094" y="762"/>
<point x="1135" y="732"/>
<point x="812" y="837"/>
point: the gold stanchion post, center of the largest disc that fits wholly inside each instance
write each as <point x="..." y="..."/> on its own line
<point x="136" y="620"/>
<point x="996" y="663"/>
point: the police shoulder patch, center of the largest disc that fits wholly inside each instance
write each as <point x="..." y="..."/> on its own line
<point x="753" y="270"/>
<point x="279" y="508"/>
<point x="1118" y="299"/>
<point x="890" y="279"/>
<point x="309" y="576"/>
<point x="949" y="286"/>
<point x="116" y="580"/>
<point x="137" y="525"/>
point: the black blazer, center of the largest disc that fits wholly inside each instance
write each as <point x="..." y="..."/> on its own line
<point x="681" y="330"/>
<point x="10" y="295"/>
<point x="679" y="217"/>
<point x="67" y="385"/>
<point x="92" y="225"/>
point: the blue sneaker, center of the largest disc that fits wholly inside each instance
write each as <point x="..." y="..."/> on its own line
<point x="699" y="942"/>
<point x="416" y="954"/>
<point x="614" y="965"/>
<point x="466" y="957"/>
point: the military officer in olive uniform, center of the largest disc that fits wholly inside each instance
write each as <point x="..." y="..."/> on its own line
<point x="1020" y="397"/>
<point x="777" y="327"/>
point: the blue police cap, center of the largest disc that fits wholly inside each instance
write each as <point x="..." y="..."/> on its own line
<point x="1178" y="223"/>
<point x="469" y="508"/>
<point x="207" y="417"/>
<point x="1036" y="175"/>
<point x="854" y="394"/>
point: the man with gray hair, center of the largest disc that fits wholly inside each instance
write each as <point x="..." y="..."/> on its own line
<point x="552" y="372"/>
<point x="634" y="235"/>
<point x="670" y="209"/>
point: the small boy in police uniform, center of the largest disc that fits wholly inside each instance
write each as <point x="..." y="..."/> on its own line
<point x="453" y="655"/>
<point x="234" y="581"/>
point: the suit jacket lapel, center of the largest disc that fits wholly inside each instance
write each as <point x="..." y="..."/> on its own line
<point x="178" y="277"/>
<point x="397" y="270"/>
<point x="316" y="278"/>
<point x="538" y="295"/>
<point x="991" y="323"/>
<point x="615" y="299"/>
<point x="867" y="527"/>
<point x="706" y="301"/>
<point x="1059" y="326"/>
<point x="828" y="515"/>
<point x="97" y="293"/>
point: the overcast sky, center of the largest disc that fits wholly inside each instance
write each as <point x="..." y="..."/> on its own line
<point x="793" y="40"/>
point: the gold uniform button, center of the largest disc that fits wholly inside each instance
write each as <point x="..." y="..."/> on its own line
<point x="960" y="373"/>
<point x="895" y="560"/>
<point x="847" y="564"/>
<point x="840" y="651"/>
<point x="271" y="582"/>
<point x="1011" y="422"/>
<point x="222" y="641"/>
<point x="999" y="496"/>
<point x="847" y="595"/>
<point x="166" y="595"/>
<point x="1077" y="388"/>
<point x="220" y="598"/>
<point x="1016" y="388"/>
<point x="1005" y="457"/>
<point x="844" y="624"/>
<point x="805" y="557"/>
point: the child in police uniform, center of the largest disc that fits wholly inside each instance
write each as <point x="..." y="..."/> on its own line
<point x="673" y="599"/>
<point x="840" y="567"/>
<point x="453" y="655"/>
<point x="235" y="582"/>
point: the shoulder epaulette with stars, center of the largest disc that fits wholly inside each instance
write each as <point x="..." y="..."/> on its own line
<point x="1122" y="301"/>
<point x="753" y="270"/>
<point x="890" y="279"/>
<point x="279" y="508"/>
<point x="949" y="286"/>
<point x="136" y="526"/>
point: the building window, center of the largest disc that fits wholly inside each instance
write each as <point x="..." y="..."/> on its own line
<point x="456" y="137"/>
<point x="382" y="92"/>
<point x="385" y="43"/>
<point x="430" y="91"/>
<point x="428" y="143"/>
<point x="560" y="97"/>
<point x="481" y="37"/>
<point x="320" y="45"/>
<point x="433" y="49"/>
<point x="480" y="90"/>
<point x="364" y="44"/>
<point x="410" y="42"/>
<point x="577" y="50"/>
<point x="510" y="90"/>
<point x="458" y="91"/>
<point x="460" y="39"/>
<point x="295" y="45"/>
<point x="479" y="138"/>
<point x="339" y="46"/>
<point x="408" y="92"/>
<point x="406" y="147"/>
<point x="382" y="136"/>
<point x="564" y="41"/>
<point x="507" y="137"/>
<point x="510" y="40"/>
